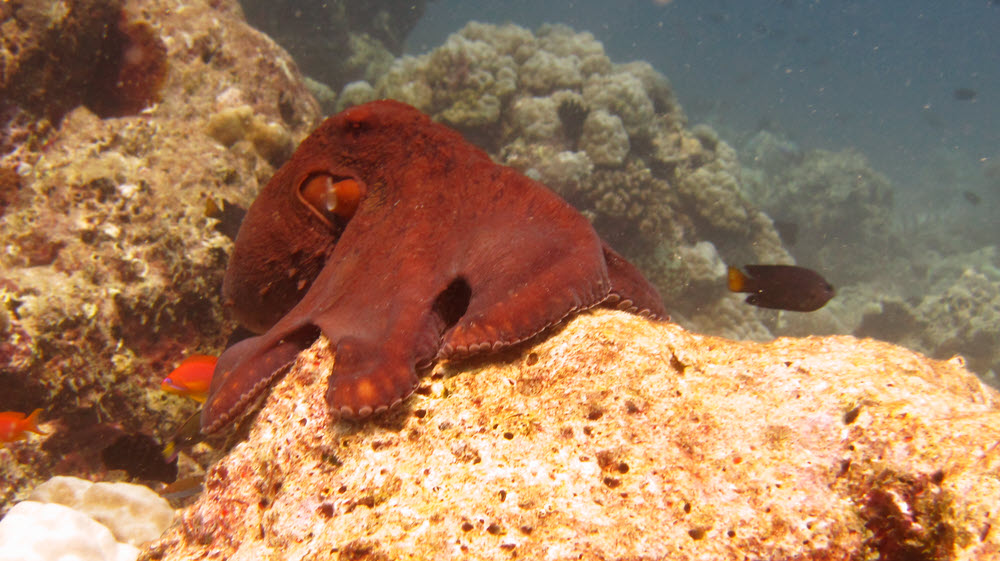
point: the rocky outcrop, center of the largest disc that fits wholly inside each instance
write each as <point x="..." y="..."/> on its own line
<point x="621" y="438"/>
<point x="111" y="268"/>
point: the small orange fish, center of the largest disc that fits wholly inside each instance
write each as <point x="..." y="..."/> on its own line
<point x="192" y="378"/>
<point x="14" y="424"/>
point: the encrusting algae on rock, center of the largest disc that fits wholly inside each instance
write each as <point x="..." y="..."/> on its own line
<point x="619" y="437"/>
<point x="110" y="269"/>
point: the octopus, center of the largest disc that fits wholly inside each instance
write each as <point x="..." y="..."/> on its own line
<point x="404" y="245"/>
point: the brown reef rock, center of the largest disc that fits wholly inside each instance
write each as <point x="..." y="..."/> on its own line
<point x="110" y="269"/>
<point x="619" y="438"/>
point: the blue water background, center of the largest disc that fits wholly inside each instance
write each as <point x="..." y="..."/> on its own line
<point x="879" y="76"/>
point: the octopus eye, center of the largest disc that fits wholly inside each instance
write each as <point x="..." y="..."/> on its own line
<point x="331" y="197"/>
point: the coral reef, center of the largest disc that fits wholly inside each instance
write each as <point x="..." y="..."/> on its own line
<point x="111" y="268"/>
<point x="842" y="205"/>
<point x="909" y="279"/>
<point x="957" y="311"/>
<point x="617" y="438"/>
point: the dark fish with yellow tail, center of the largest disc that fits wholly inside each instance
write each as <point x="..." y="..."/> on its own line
<point x="781" y="287"/>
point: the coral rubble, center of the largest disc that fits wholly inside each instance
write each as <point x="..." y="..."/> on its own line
<point x="621" y="438"/>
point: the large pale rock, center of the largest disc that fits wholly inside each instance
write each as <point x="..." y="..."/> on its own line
<point x="134" y="513"/>
<point x="618" y="438"/>
<point x="33" y="531"/>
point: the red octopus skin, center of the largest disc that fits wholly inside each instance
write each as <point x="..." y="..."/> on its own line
<point x="446" y="254"/>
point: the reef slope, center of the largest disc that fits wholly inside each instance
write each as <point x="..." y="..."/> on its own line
<point x="621" y="438"/>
